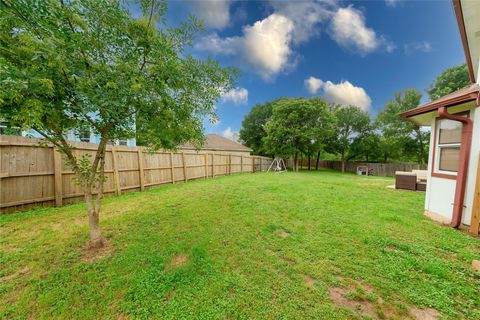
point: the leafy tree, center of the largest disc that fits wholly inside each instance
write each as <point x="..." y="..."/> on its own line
<point x="296" y="125"/>
<point x="253" y="127"/>
<point x="351" y="122"/>
<point x="70" y="65"/>
<point x="449" y="81"/>
<point x="400" y="136"/>
<point x="366" y="146"/>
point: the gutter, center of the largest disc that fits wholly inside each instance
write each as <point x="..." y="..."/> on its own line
<point x="457" y="7"/>
<point x="461" y="180"/>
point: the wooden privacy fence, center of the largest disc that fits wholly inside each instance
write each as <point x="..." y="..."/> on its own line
<point x="32" y="175"/>
<point x="377" y="169"/>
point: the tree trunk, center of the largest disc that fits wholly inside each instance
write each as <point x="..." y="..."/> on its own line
<point x="97" y="177"/>
<point x="309" y="158"/>
<point x="318" y="160"/>
<point x="343" y="162"/>
<point x="295" y="162"/>
<point x="96" y="238"/>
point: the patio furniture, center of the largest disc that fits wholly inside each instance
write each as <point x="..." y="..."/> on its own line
<point x="405" y="180"/>
<point x="421" y="175"/>
<point x="421" y="186"/>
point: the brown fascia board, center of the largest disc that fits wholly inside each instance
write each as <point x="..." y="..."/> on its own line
<point x="457" y="7"/>
<point x="446" y="103"/>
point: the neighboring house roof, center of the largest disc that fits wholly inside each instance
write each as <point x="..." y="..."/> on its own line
<point x="462" y="95"/>
<point x="216" y="142"/>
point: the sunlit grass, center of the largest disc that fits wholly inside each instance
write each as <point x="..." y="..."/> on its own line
<point x="245" y="246"/>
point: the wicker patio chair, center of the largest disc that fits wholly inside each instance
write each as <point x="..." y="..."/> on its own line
<point x="405" y="180"/>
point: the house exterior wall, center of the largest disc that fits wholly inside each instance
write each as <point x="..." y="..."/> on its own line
<point x="72" y="137"/>
<point x="472" y="167"/>
<point x="440" y="192"/>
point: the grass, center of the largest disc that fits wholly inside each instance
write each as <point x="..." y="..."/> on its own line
<point x="267" y="246"/>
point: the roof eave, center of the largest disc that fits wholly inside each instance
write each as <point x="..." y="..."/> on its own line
<point x="457" y="7"/>
<point x="435" y="106"/>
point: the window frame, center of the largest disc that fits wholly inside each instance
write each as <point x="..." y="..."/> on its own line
<point x="436" y="171"/>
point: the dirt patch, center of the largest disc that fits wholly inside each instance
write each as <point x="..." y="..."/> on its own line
<point x="288" y="261"/>
<point x="338" y="296"/>
<point x="425" y="314"/>
<point x="9" y="249"/>
<point x="309" y="281"/>
<point x="360" y="298"/>
<point x="283" y="233"/>
<point x="17" y="274"/>
<point x="177" y="261"/>
<point x="92" y="254"/>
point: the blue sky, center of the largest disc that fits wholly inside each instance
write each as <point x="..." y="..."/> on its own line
<point x="355" y="52"/>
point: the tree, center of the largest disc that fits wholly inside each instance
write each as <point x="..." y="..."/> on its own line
<point x="351" y="122"/>
<point x="397" y="134"/>
<point x="449" y="81"/>
<point x="71" y="65"/>
<point x="253" y="127"/>
<point x="296" y="125"/>
<point x="366" y="146"/>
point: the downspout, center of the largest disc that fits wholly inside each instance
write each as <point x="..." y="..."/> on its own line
<point x="461" y="180"/>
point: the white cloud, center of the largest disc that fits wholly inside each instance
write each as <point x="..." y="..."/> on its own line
<point x="392" y="3"/>
<point x="236" y="95"/>
<point x="229" y="134"/>
<point x="420" y="46"/>
<point x="349" y="30"/>
<point x="305" y="15"/>
<point x="265" y="46"/>
<point x="217" y="45"/>
<point x="214" y="13"/>
<point x="344" y="93"/>
<point x="313" y="84"/>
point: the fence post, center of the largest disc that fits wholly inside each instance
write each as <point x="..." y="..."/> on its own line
<point x="172" y="168"/>
<point x="241" y="164"/>
<point x="184" y="167"/>
<point x="141" y="172"/>
<point x="206" y="165"/>
<point x="57" y="165"/>
<point x="230" y="164"/>
<point x="213" y="165"/>
<point x="116" y="177"/>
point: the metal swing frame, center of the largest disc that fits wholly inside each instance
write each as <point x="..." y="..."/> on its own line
<point x="277" y="166"/>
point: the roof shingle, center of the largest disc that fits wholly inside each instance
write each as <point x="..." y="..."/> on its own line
<point x="216" y="142"/>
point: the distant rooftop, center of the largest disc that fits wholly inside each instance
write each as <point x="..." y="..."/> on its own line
<point x="216" y="142"/>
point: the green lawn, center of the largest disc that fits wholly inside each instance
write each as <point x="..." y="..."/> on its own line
<point x="266" y="246"/>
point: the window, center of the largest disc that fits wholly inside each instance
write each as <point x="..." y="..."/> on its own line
<point x="448" y="145"/>
<point x="122" y="142"/>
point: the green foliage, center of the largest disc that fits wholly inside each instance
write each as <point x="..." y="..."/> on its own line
<point x="298" y="125"/>
<point x="253" y="127"/>
<point x="402" y="139"/>
<point x="76" y="64"/>
<point x="343" y="231"/>
<point x="449" y="81"/>
<point x="351" y="124"/>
